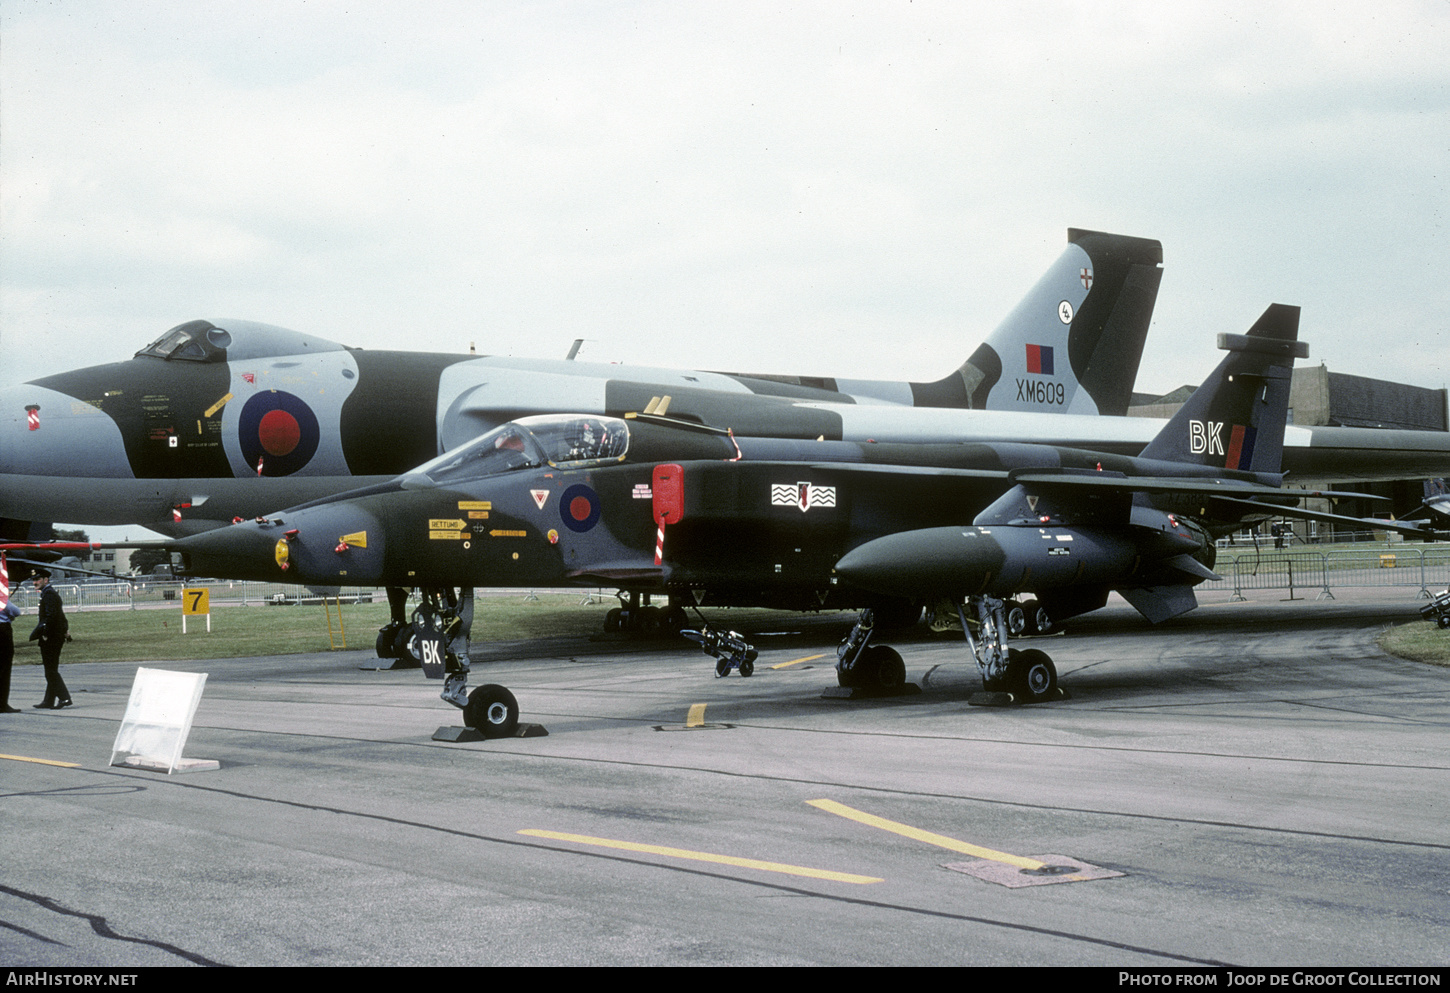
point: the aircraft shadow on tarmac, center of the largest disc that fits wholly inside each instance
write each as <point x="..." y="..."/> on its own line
<point x="1111" y="658"/>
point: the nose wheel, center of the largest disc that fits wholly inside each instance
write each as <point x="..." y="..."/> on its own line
<point x="492" y="711"/>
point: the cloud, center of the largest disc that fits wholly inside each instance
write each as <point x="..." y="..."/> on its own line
<point x="852" y="189"/>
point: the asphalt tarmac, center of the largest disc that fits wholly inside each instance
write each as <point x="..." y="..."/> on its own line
<point x="1260" y="785"/>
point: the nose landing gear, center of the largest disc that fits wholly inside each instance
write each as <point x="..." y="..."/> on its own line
<point x="439" y="638"/>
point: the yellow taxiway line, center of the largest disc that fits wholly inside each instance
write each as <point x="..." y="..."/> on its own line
<point x="940" y="840"/>
<point x="26" y="758"/>
<point x="808" y="658"/>
<point x="681" y="853"/>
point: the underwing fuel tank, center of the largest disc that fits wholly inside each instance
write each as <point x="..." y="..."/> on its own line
<point x="999" y="561"/>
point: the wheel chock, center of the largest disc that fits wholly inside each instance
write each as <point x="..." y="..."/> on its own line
<point x="383" y="665"/>
<point x="466" y="734"/>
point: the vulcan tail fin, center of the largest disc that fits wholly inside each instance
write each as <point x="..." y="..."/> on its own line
<point x="1235" y="420"/>
<point x="1074" y="342"/>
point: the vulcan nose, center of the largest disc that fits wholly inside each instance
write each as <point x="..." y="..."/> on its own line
<point x="60" y="459"/>
<point x="44" y="432"/>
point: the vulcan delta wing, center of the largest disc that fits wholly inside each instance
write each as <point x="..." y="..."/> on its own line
<point x="215" y="420"/>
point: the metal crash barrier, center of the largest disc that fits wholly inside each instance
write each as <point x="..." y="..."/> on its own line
<point x="1418" y="567"/>
<point x="1423" y="568"/>
<point x="147" y="592"/>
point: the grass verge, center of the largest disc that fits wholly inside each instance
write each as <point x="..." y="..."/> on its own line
<point x="236" y="631"/>
<point x="154" y="635"/>
<point x="1419" y="641"/>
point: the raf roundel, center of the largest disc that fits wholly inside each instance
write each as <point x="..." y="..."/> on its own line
<point x="579" y="508"/>
<point x="278" y="430"/>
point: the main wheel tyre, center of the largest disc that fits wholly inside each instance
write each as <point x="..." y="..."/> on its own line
<point x="649" y="619"/>
<point x="673" y="621"/>
<point x="881" y="668"/>
<point x="384" y="644"/>
<point x="1038" y="622"/>
<point x="1033" y="676"/>
<point x="401" y="648"/>
<point x="1016" y="619"/>
<point x="614" y="620"/>
<point x="493" y="711"/>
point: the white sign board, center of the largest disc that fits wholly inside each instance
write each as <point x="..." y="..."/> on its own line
<point x="158" y="720"/>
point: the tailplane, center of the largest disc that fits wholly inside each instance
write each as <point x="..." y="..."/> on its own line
<point x="1074" y="342"/>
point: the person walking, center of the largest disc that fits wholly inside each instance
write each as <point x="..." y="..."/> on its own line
<point x="51" y="632"/>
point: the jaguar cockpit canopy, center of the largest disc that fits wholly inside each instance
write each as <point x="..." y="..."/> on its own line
<point x="564" y="441"/>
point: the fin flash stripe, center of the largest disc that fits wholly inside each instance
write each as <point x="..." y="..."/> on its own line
<point x="1240" y="453"/>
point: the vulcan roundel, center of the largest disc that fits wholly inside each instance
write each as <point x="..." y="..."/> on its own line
<point x="279" y="431"/>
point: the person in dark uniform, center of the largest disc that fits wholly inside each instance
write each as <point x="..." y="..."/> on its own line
<point x="8" y="612"/>
<point x="51" y="632"/>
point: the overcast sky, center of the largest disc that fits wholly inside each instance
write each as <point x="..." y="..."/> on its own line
<point x="853" y="189"/>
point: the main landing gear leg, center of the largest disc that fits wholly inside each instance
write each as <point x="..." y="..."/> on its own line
<point x="864" y="666"/>
<point x="1008" y="675"/>
<point x="635" y="616"/>
<point x="1021" y="676"/>
<point x="393" y="637"/>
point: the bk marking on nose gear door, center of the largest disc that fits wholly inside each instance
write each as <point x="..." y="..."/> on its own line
<point x="430" y="652"/>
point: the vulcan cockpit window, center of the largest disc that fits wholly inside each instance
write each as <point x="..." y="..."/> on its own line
<point x="194" y="341"/>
